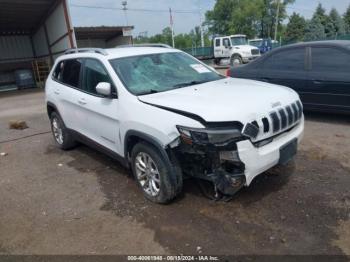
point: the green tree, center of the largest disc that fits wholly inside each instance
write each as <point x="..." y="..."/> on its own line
<point x="320" y="13"/>
<point x="337" y="21"/>
<point x="347" y="19"/>
<point x="295" y="28"/>
<point x="314" y="30"/>
<point x="167" y="36"/>
<point x="325" y="20"/>
<point x="193" y="39"/>
<point x="250" y="17"/>
<point x="269" y="14"/>
<point x="220" y="18"/>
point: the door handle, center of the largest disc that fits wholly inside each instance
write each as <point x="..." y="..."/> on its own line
<point x="57" y="91"/>
<point x="317" y="82"/>
<point x="82" y="101"/>
<point x="265" y="79"/>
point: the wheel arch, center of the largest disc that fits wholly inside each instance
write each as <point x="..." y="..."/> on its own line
<point x="51" y="107"/>
<point x="132" y="137"/>
<point x="236" y="54"/>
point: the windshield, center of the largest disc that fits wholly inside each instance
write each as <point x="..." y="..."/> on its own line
<point x="256" y="43"/>
<point x="239" y="40"/>
<point x="153" y="73"/>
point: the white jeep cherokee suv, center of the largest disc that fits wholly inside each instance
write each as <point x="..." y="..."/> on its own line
<point x="167" y="116"/>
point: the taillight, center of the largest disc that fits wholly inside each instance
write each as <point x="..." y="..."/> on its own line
<point x="228" y="72"/>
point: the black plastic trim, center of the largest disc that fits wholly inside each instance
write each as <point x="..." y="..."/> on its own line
<point x="266" y="124"/>
<point x="290" y="115"/>
<point x="50" y="104"/>
<point x="87" y="141"/>
<point x="156" y="143"/>
<point x="283" y="118"/>
<point x="275" y="122"/>
<point x="180" y="112"/>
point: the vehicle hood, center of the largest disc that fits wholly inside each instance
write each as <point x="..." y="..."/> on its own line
<point x="225" y="100"/>
<point x="245" y="47"/>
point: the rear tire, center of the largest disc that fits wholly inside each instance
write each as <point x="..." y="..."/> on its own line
<point x="217" y="61"/>
<point x="61" y="134"/>
<point x="151" y="171"/>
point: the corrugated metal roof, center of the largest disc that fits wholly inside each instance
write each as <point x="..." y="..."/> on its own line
<point x="100" y="32"/>
<point x="23" y="16"/>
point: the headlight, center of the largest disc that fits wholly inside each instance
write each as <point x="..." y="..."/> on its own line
<point x="208" y="136"/>
<point x="247" y="53"/>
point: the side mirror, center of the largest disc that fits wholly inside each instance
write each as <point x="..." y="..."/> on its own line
<point x="104" y="88"/>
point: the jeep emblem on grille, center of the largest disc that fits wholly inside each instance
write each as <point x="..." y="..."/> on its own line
<point x="276" y="104"/>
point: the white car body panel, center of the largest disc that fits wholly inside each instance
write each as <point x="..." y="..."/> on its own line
<point x="218" y="101"/>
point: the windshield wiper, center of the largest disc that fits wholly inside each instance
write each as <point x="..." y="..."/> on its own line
<point x="151" y="91"/>
<point x="188" y="84"/>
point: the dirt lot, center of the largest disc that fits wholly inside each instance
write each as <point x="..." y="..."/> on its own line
<point x="82" y="202"/>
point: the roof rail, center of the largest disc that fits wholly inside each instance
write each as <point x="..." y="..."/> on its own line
<point x="146" y="45"/>
<point x="82" y="50"/>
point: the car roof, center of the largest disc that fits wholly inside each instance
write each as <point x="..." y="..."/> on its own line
<point x="230" y="36"/>
<point x="134" y="51"/>
<point x="238" y="35"/>
<point x="118" y="52"/>
<point x="340" y="43"/>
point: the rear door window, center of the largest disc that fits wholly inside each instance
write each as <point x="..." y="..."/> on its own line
<point x="287" y="60"/>
<point x="329" y="59"/>
<point x="217" y="42"/>
<point x="71" y="72"/>
<point x="58" y="72"/>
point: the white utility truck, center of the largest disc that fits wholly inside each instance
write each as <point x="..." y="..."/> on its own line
<point x="235" y="48"/>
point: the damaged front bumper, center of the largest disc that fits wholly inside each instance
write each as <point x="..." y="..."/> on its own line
<point x="259" y="159"/>
<point x="230" y="166"/>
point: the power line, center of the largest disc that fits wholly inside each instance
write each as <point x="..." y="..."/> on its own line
<point x="136" y="9"/>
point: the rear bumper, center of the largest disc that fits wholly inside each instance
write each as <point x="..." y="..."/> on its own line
<point x="257" y="160"/>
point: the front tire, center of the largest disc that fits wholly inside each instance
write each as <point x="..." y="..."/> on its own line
<point x="61" y="134"/>
<point x="153" y="174"/>
<point x="236" y="60"/>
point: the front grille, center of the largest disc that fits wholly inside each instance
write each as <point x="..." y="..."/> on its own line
<point x="290" y="115"/>
<point x="251" y="130"/>
<point x="275" y="122"/>
<point x="296" y="113"/>
<point x="266" y="124"/>
<point x="300" y="108"/>
<point x="255" y="51"/>
<point x="278" y="120"/>
<point x="283" y="118"/>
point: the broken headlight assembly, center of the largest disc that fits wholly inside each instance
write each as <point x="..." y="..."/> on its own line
<point x="203" y="136"/>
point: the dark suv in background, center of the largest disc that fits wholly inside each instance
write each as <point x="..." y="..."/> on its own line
<point x="318" y="71"/>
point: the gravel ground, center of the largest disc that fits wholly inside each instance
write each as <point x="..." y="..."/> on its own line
<point x="82" y="202"/>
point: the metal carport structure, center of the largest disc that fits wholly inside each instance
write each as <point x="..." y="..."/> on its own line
<point x="32" y="34"/>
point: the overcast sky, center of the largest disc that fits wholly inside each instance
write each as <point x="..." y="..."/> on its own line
<point x="154" y="21"/>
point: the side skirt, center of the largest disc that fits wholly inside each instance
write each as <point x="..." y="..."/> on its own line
<point x="91" y="143"/>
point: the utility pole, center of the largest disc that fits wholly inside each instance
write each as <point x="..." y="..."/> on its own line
<point x="201" y="26"/>
<point x="172" y="27"/>
<point x="277" y="18"/>
<point x="124" y="4"/>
